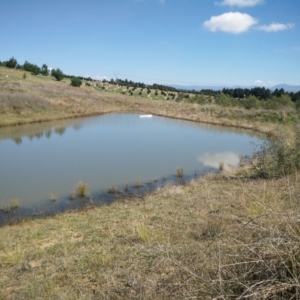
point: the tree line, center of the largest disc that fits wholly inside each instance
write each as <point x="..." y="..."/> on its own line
<point x="260" y="93"/>
<point x="43" y="70"/>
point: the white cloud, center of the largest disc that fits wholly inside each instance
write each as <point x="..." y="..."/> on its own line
<point x="241" y="3"/>
<point x="231" y="22"/>
<point x="274" y="27"/>
<point x="259" y="81"/>
<point x="100" y="77"/>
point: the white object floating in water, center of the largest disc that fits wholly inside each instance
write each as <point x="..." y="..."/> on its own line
<point x="145" y="116"/>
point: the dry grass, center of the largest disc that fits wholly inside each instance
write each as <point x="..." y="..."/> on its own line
<point x="216" y="237"/>
<point x="82" y="189"/>
<point x="40" y="98"/>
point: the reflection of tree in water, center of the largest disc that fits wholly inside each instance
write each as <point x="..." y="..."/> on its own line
<point x="48" y="133"/>
<point x="77" y="126"/>
<point x="60" y="131"/>
<point x="18" y="141"/>
<point x="39" y="135"/>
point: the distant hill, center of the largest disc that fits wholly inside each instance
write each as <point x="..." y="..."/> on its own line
<point x="286" y="87"/>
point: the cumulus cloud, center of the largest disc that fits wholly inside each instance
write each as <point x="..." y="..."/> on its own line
<point x="274" y="27"/>
<point x="259" y="81"/>
<point x="241" y="3"/>
<point x="231" y="22"/>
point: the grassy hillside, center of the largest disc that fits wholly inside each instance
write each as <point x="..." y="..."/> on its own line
<point x="229" y="236"/>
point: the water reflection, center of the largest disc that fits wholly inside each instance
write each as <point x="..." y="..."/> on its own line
<point x="108" y="150"/>
<point x="38" y="130"/>
<point x="214" y="159"/>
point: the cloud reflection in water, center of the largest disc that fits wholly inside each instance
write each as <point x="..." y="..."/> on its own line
<point x="214" y="159"/>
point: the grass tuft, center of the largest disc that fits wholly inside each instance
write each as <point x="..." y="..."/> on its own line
<point x="14" y="203"/>
<point x="221" y="166"/>
<point x="73" y="195"/>
<point x="53" y="197"/>
<point x="143" y="233"/>
<point x="82" y="189"/>
<point x="180" y="172"/>
<point x="138" y="183"/>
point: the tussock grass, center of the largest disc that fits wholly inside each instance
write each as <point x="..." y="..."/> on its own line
<point x="14" y="203"/>
<point x="180" y="172"/>
<point x="53" y="197"/>
<point x="82" y="189"/>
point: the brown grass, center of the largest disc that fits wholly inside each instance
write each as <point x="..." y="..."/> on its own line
<point x="40" y="98"/>
<point x="218" y="237"/>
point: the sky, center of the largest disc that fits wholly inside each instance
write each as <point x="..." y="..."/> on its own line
<point x="185" y="42"/>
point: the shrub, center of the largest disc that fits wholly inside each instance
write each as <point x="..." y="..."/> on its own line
<point x="278" y="158"/>
<point x="57" y="74"/>
<point x="251" y="102"/>
<point x="75" y="81"/>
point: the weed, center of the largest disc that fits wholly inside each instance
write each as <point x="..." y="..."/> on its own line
<point x="143" y="233"/>
<point x="111" y="190"/>
<point x="53" y="197"/>
<point x="212" y="229"/>
<point x="279" y="157"/>
<point x="126" y="189"/>
<point x="180" y="172"/>
<point x="5" y="207"/>
<point x="221" y="166"/>
<point x="14" y="203"/>
<point x="73" y="195"/>
<point x="138" y="183"/>
<point x="82" y="189"/>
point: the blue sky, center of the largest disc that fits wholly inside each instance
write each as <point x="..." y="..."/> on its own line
<point x="244" y="42"/>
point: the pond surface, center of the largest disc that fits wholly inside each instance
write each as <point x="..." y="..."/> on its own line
<point x="113" y="150"/>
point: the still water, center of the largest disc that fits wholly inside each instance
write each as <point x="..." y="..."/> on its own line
<point x="38" y="160"/>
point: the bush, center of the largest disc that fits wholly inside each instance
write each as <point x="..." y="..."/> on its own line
<point x="75" y="81"/>
<point x="57" y="74"/>
<point x="278" y="158"/>
<point x="251" y="102"/>
<point x="223" y="100"/>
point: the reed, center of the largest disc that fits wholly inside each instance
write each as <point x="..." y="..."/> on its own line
<point x="111" y="190"/>
<point x="14" y="203"/>
<point x="53" y="197"/>
<point x="5" y="207"/>
<point x="138" y="183"/>
<point x="126" y="189"/>
<point x="221" y="166"/>
<point x="82" y="189"/>
<point x="180" y="172"/>
<point x="73" y="195"/>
